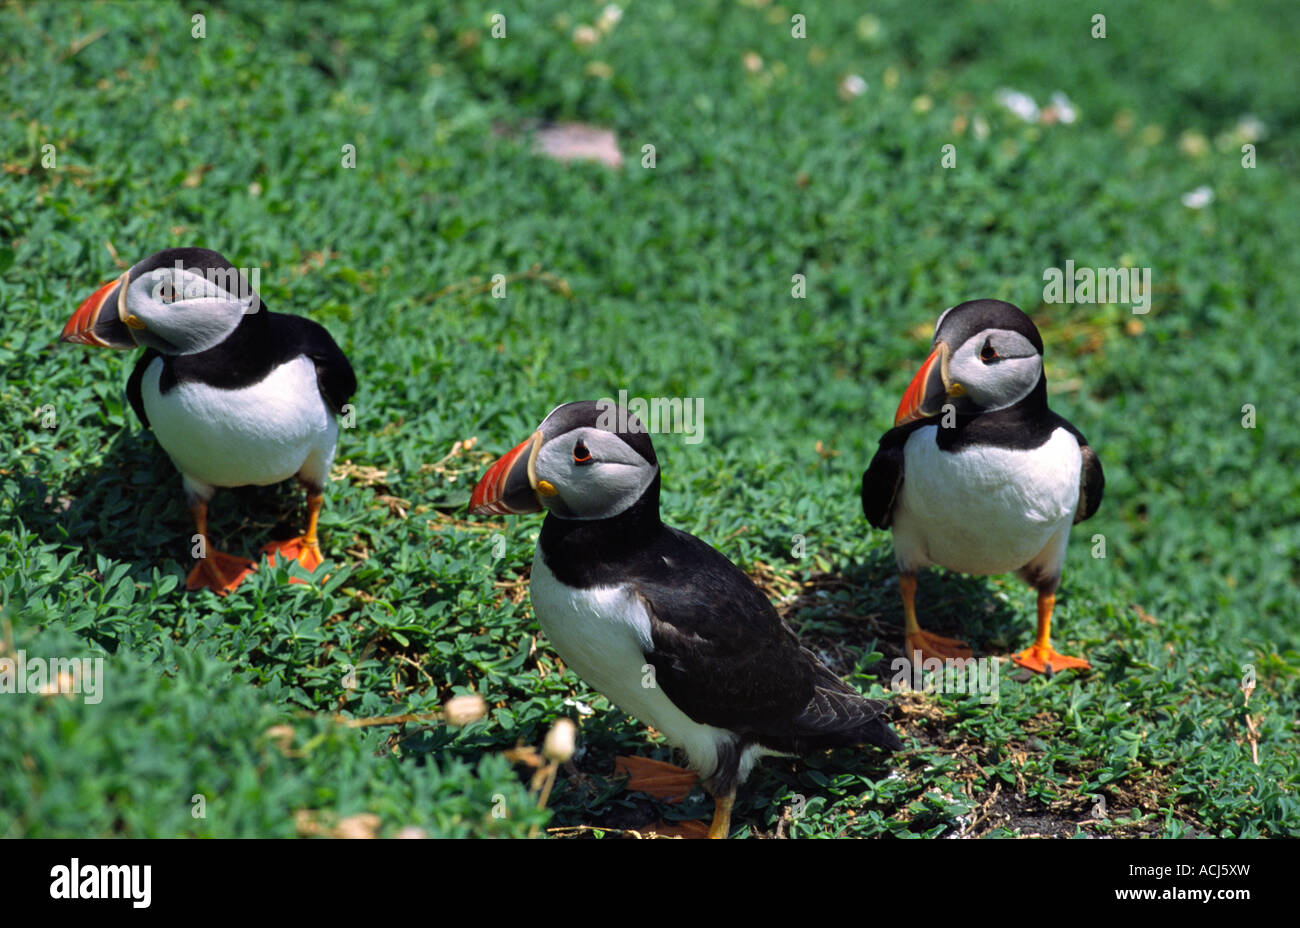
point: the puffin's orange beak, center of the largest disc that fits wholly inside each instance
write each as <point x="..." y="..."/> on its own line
<point x="510" y="485"/>
<point x="928" y="390"/>
<point x="98" y="320"/>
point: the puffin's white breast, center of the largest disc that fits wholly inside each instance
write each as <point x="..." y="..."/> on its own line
<point x="983" y="509"/>
<point x="603" y="634"/>
<point x="259" y="434"/>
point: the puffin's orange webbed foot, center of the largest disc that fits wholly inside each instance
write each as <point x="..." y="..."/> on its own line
<point x="305" y="552"/>
<point x="671" y="784"/>
<point x="930" y="645"/>
<point x="219" y="572"/>
<point x="659" y="779"/>
<point x="1041" y="657"/>
<point x="934" y="646"/>
<point x="1046" y="659"/>
<point x="693" y="829"/>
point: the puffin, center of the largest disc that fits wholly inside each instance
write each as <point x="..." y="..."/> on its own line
<point x="978" y="475"/>
<point x="667" y="628"/>
<point x="235" y="394"/>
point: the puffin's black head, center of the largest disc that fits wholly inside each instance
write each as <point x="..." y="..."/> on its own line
<point x="987" y="355"/>
<point x="179" y="301"/>
<point x="588" y="460"/>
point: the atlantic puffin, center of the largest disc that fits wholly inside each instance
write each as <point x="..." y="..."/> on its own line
<point x="667" y="628"/>
<point x="236" y="395"/>
<point x="978" y="475"/>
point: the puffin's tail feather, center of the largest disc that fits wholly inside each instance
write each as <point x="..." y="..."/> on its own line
<point x="877" y="732"/>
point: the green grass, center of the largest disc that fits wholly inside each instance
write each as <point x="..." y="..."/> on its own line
<point x="676" y="281"/>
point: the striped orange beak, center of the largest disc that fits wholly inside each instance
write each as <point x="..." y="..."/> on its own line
<point x="928" y="390"/>
<point x="99" y="319"/>
<point x="510" y="485"/>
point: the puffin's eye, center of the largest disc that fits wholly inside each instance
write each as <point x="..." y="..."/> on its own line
<point x="167" y="294"/>
<point x="988" y="353"/>
<point x="580" y="453"/>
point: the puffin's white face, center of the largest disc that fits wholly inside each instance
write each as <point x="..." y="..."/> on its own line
<point x="181" y="311"/>
<point x="996" y="367"/>
<point x="590" y="473"/>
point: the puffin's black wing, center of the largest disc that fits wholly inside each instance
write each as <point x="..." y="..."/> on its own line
<point x="1092" y="482"/>
<point x="883" y="477"/>
<point x="334" y="373"/>
<point x="133" y="394"/>
<point x="724" y="657"/>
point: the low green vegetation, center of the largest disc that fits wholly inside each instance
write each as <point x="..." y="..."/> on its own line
<point x="123" y="134"/>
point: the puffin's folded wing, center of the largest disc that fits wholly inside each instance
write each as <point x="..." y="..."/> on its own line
<point x="724" y="657"/>
<point x="883" y="477"/>
<point x="334" y="372"/>
<point x="134" y="384"/>
<point x="1092" y="482"/>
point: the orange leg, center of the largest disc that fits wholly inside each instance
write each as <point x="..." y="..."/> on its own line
<point x="305" y="549"/>
<point x="1041" y="657"/>
<point x="721" y="826"/>
<point x="929" y="644"/>
<point x="215" y="570"/>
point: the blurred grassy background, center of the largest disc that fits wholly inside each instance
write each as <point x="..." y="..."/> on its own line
<point x="674" y="280"/>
